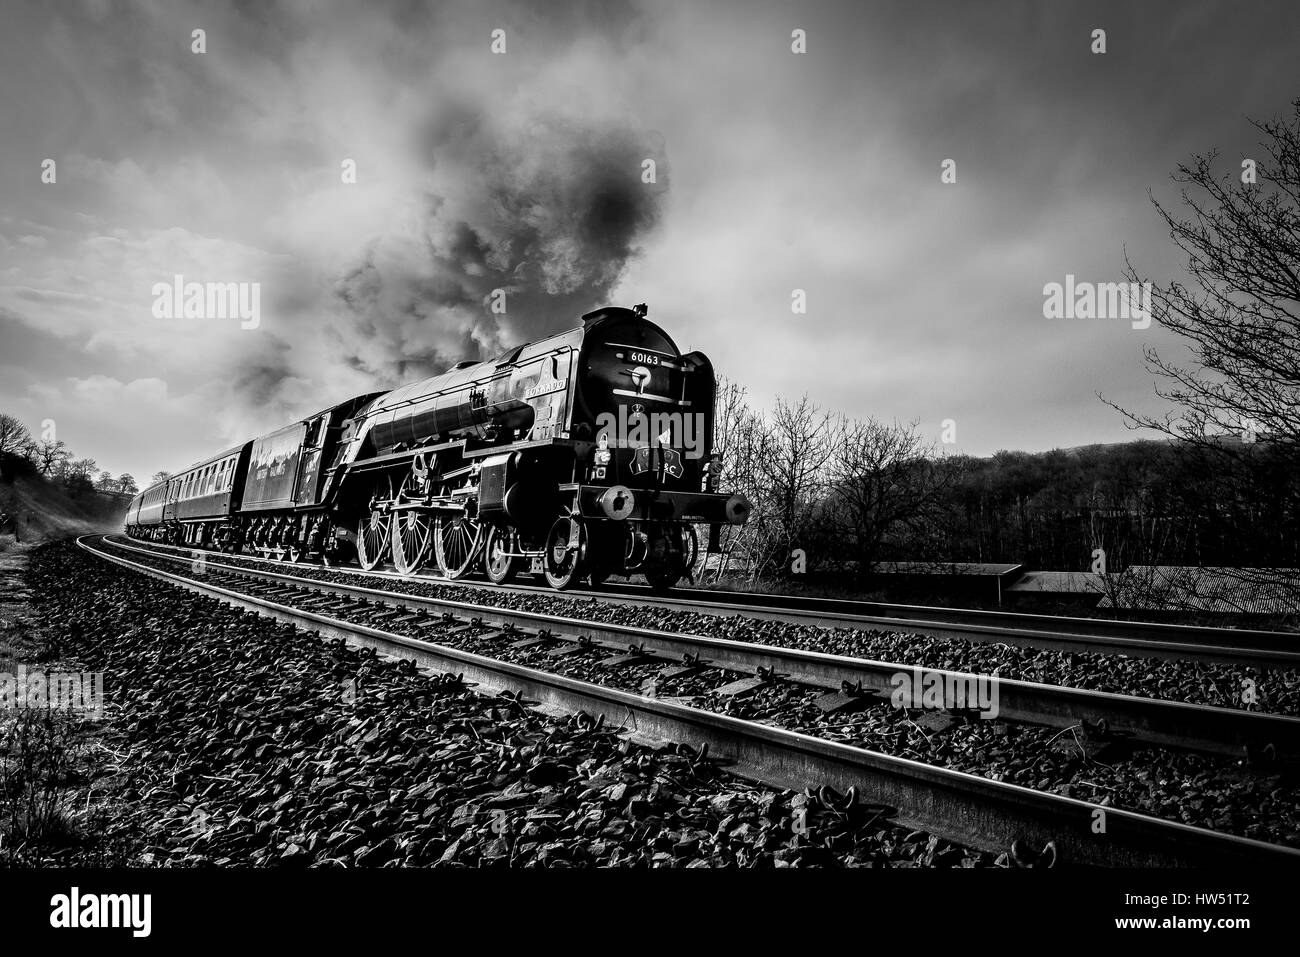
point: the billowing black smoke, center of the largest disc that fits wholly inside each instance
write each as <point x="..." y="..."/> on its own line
<point x="550" y="211"/>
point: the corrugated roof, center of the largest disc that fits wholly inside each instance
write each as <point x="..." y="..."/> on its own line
<point x="1188" y="588"/>
<point x="1082" y="582"/>
<point x="943" y="568"/>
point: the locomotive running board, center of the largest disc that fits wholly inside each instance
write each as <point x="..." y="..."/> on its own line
<point x="397" y="458"/>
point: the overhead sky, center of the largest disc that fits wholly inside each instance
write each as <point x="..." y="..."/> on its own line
<point x="523" y="170"/>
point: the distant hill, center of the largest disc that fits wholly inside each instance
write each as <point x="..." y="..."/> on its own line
<point x="41" y="510"/>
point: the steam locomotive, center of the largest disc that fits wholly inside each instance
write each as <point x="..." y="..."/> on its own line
<point x="580" y="456"/>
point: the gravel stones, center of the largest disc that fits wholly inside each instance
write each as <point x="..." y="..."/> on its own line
<point x="248" y="742"/>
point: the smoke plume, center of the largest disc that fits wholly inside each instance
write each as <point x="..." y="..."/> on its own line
<point x="549" y="210"/>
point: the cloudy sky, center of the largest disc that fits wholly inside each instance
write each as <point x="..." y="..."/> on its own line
<point x="522" y="170"/>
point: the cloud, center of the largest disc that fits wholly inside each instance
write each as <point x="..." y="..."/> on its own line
<point x="522" y="172"/>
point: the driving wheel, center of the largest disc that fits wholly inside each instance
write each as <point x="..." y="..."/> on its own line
<point x="457" y="540"/>
<point x="412" y="531"/>
<point x="562" y="558"/>
<point x="373" y="527"/>
<point x="499" y="566"/>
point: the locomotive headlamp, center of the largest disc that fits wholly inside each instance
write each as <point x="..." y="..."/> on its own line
<point x="617" y="502"/>
<point x="603" y="454"/>
<point x="737" y="509"/>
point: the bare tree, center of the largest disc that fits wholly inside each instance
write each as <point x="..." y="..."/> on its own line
<point x="883" y="475"/>
<point x="777" y="462"/>
<point x="126" y="484"/>
<point x="788" y="452"/>
<point x="737" y="440"/>
<point x="1240" y="316"/>
<point x="81" y="468"/>
<point x="159" y="477"/>
<point x="49" y="454"/>
<point x="14" y="437"/>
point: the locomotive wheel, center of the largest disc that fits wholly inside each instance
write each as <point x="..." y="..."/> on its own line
<point x="562" y="564"/>
<point x="372" y="529"/>
<point x="663" y="579"/>
<point x="601" y="554"/>
<point x="457" y="542"/>
<point x="690" y="549"/>
<point x="412" y="534"/>
<point x="497" y="565"/>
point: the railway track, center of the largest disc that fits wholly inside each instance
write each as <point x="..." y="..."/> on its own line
<point x="968" y="808"/>
<point x="1265" y="649"/>
<point x="1149" y="721"/>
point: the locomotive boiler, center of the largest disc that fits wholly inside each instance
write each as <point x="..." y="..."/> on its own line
<point x="583" y="455"/>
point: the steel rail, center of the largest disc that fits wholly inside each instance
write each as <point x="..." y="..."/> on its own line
<point x="967" y="808"/>
<point x="1153" y="721"/>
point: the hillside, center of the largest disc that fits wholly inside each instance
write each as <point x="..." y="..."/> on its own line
<point x="42" y="510"/>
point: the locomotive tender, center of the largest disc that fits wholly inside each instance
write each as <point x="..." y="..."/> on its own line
<point x="583" y="455"/>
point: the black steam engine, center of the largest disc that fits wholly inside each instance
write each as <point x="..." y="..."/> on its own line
<point x="584" y="455"/>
